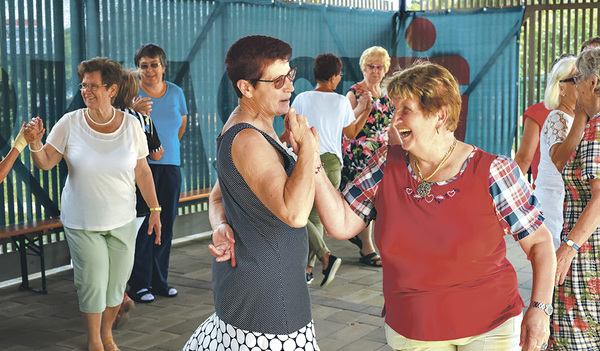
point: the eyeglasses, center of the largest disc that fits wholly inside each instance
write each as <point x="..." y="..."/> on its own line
<point x="91" y="87"/>
<point x="144" y="66"/>
<point x="372" y="67"/>
<point x="279" y="81"/>
<point x="569" y="80"/>
<point x="576" y="78"/>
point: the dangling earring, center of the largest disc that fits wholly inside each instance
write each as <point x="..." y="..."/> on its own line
<point x="437" y="130"/>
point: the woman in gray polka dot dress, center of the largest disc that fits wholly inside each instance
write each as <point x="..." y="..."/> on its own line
<point x="260" y="204"/>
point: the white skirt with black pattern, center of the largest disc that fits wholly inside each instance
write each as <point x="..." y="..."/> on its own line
<point x="216" y="335"/>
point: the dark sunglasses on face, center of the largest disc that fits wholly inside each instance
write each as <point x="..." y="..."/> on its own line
<point x="279" y="81"/>
<point x="144" y="66"/>
<point x="372" y="67"/>
<point x="568" y="80"/>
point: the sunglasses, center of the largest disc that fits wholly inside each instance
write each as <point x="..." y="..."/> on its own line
<point x="144" y="66"/>
<point x="279" y="81"/>
<point x="372" y="67"/>
<point x="91" y="87"/>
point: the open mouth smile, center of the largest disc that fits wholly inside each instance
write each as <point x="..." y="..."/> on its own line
<point x="404" y="133"/>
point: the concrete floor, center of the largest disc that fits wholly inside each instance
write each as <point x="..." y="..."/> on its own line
<point x="346" y="313"/>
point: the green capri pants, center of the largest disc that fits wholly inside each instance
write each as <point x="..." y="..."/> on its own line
<point x="316" y="244"/>
<point x="102" y="264"/>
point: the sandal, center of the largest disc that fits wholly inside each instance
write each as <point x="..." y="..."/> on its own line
<point x="371" y="259"/>
<point x="142" y="296"/>
<point x="356" y="241"/>
<point x="109" y="345"/>
<point x="168" y="292"/>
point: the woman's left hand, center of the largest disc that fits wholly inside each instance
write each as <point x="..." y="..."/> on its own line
<point x="535" y="330"/>
<point x="154" y="225"/>
<point x="564" y="257"/>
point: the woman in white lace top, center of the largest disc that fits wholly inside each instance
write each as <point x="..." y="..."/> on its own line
<point x="560" y="97"/>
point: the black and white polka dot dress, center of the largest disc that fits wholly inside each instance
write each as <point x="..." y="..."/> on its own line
<point x="216" y="335"/>
<point x="266" y="293"/>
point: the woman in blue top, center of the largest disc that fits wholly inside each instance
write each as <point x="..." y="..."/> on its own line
<point x="169" y="114"/>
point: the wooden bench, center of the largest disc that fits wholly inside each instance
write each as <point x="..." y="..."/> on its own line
<point x="194" y="195"/>
<point x="30" y="236"/>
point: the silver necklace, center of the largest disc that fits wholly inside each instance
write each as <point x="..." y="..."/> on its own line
<point x="87" y="113"/>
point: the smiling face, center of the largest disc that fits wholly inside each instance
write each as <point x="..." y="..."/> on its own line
<point x="416" y="128"/>
<point x="150" y="75"/>
<point x="266" y="97"/>
<point x="101" y="96"/>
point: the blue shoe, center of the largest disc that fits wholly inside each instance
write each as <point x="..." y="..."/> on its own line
<point x="309" y="278"/>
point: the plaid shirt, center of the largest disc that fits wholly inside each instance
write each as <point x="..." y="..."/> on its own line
<point x="516" y="206"/>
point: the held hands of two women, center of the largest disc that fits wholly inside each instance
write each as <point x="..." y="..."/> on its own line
<point x="301" y="135"/>
<point x="34" y="130"/>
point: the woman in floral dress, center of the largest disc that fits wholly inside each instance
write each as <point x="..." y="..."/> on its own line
<point x="577" y="295"/>
<point x="373" y="110"/>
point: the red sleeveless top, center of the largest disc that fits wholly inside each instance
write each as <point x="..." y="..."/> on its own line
<point x="445" y="272"/>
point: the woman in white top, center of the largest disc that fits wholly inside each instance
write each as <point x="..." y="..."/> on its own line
<point x="331" y="114"/>
<point x="105" y="151"/>
<point x="560" y="97"/>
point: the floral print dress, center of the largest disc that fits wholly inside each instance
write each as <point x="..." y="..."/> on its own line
<point x="576" y="316"/>
<point x="373" y="135"/>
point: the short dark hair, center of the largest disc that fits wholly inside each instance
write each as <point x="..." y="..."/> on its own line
<point x="151" y="51"/>
<point x="128" y="89"/>
<point x="110" y="70"/>
<point x="249" y="56"/>
<point x="591" y="41"/>
<point x="326" y="66"/>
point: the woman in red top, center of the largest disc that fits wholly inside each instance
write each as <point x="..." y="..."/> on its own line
<point x="443" y="208"/>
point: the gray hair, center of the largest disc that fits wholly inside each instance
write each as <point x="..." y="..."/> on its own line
<point x="588" y="65"/>
<point x="560" y="70"/>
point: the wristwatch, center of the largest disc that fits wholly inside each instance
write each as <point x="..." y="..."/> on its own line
<point x="571" y="243"/>
<point x="543" y="306"/>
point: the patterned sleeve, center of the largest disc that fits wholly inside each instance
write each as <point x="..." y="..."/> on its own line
<point x="590" y="150"/>
<point x="361" y="192"/>
<point x="154" y="144"/>
<point x="556" y="128"/>
<point x="515" y="203"/>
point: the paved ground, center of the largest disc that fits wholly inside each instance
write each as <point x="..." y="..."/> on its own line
<point x="346" y="312"/>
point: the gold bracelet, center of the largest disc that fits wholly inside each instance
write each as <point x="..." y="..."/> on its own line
<point x="34" y="151"/>
<point x="158" y="209"/>
<point x="319" y="168"/>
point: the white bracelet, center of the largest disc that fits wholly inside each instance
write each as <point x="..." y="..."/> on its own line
<point x="34" y="151"/>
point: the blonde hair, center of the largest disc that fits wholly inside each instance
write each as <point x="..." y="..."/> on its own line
<point x="375" y="53"/>
<point x="432" y="85"/>
<point x="561" y="70"/>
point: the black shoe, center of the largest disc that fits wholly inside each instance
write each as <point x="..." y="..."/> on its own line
<point x="332" y="267"/>
<point x="356" y="241"/>
<point x="309" y="278"/>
